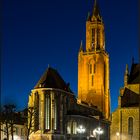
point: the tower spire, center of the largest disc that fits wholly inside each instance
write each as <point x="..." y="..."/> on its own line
<point x="96" y="11"/>
<point x="81" y="46"/>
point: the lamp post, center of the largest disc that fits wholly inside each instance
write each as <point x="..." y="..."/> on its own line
<point x="81" y="130"/>
<point x="117" y="135"/>
<point x="99" y="131"/>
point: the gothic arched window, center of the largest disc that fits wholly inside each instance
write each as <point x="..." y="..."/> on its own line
<point x="74" y="127"/>
<point x="130" y="125"/>
<point x="93" y="37"/>
<point x="47" y="111"/>
<point x="90" y="68"/>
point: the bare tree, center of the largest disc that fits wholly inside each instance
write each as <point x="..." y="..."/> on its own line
<point x="30" y="114"/>
<point x="7" y="118"/>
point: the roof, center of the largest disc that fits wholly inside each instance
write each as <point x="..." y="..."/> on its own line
<point x="129" y="98"/>
<point x="52" y="79"/>
<point x="84" y="110"/>
<point x="134" y="77"/>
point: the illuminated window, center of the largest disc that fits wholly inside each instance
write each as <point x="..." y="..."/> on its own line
<point x="90" y="68"/>
<point x="74" y="127"/>
<point x="130" y="126"/>
<point x="47" y="111"/>
<point x="55" y="114"/>
<point x="36" y="112"/>
<point x="69" y="128"/>
<point x="39" y="114"/>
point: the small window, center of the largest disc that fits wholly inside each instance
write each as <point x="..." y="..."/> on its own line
<point x="90" y="68"/>
<point x="130" y="126"/>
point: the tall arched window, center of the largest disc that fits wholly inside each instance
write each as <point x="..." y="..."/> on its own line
<point x="36" y="112"/>
<point x="90" y="68"/>
<point x="69" y="127"/>
<point x="47" y="112"/>
<point x="92" y="80"/>
<point x="98" y="38"/>
<point x="130" y="126"/>
<point x="93" y="37"/>
<point x="74" y="125"/>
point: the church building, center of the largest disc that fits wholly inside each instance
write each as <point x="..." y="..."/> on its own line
<point x="59" y="115"/>
<point x="126" y="118"/>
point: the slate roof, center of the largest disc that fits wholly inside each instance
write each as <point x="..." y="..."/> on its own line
<point x="134" y="77"/>
<point x="129" y="99"/>
<point x="52" y="79"/>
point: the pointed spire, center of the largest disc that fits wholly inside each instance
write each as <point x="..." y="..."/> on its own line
<point x="126" y="75"/>
<point x="126" y="70"/>
<point x="88" y="16"/>
<point x="81" y="46"/>
<point x="96" y="11"/>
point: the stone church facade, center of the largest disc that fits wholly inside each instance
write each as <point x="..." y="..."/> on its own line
<point x="126" y="118"/>
<point x="59" y="115"/>
<point x="93" y="66"/>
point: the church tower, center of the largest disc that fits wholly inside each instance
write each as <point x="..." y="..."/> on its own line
<point x="93" y="65"/>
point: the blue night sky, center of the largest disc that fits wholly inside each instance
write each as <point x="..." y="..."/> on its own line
<point x="41" y="32"/>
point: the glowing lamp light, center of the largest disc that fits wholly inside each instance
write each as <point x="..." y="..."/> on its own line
<point x="98" y="131"/>
<point x="81" y="129"/>
<point x="17" y="137"/>
<point x="117" y="134"/>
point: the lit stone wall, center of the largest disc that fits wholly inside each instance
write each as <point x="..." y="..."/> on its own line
<point x="120" y="123"/>
<point x="93" y="67"/>
<point x="93" y="83"/>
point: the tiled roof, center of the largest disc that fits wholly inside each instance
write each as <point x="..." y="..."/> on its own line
<point x="52" y="79"/>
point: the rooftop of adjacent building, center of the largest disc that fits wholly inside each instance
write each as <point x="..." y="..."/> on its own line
<point x="130" y="96"/>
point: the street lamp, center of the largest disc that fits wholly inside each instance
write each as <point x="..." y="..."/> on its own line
<point x="81" y="130"/>
<point x="117" y="135"/>
<point x="99" y="131"/>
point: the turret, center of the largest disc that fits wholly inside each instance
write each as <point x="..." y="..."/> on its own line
<point x="126" y="76"/>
